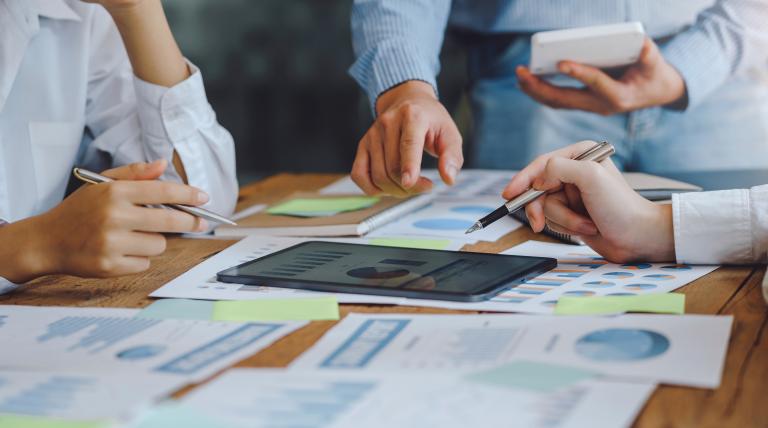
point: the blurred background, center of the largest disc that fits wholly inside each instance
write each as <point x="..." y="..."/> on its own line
<point x="276" y="73"/>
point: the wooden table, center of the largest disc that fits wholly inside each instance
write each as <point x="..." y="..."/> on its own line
<point x="741" y="400"/>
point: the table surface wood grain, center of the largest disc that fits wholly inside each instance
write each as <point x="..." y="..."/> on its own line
<point x="741" y="400"/>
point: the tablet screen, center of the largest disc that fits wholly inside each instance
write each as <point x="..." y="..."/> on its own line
<point x="394" y="268"/>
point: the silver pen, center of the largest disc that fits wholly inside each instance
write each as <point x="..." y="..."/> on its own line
<point x="596" y="153"/>
<point x="93" y="178"/>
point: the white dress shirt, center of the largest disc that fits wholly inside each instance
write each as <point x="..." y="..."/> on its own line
<point x="68" y="97"/>
<point x="729" y="226"/>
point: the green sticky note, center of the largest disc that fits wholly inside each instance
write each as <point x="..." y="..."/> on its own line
<point x="663" y="303"/>
<point x="424" y="244"/>
<point x="322" y="207"/>
<point x="532" y="375"/>
<point x="176" y="415"/>
<point x="318" y="308"/>
<point x="18" y="421"/>
<point x="180" y="309"/>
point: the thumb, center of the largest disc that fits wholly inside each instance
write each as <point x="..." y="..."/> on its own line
<point x="650" y="54"/>
<point x="448" y="148"/>
<point x="138" y="171"/>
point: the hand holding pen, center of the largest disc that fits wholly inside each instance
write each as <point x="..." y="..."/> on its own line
<point x="593" y="201"/>
<point x="107" y="229"/>
<point x="597" y="152"/>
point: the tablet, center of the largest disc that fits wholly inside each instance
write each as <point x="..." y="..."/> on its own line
<point x="389" y="271"/>
<point x="602" y="46"/>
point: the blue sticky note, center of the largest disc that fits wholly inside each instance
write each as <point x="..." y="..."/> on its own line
<point x="532" y="375"/>
<point x="180" y="309"/>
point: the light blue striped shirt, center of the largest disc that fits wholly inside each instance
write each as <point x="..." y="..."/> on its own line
<point x="400" y="40"/>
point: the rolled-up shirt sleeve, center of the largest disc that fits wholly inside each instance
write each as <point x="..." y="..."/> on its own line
<point x="721" y="227"/>
<point x="131" y="120"/>
<point x="396" y="41"/>
<point x="726" y="39"/>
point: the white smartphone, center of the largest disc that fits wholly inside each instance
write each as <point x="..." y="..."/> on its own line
<point x="602" y="46"/>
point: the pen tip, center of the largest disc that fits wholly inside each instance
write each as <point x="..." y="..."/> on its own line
<point x="475" y="227"/>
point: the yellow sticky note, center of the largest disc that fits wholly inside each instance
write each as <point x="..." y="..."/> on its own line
<point x="664" y="303"/>
<point x="317" y="207"/>
<point x="18" y="421"/>
<point x="423" y="244"/>
<point x="318" y="308"/>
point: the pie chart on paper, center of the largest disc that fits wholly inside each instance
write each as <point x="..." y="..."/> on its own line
<point x="622" y="344"/>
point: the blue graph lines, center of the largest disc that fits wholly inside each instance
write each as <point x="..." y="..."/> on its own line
<point x="106" y="332"/>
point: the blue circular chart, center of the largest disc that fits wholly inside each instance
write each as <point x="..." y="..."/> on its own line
<point x="621" y="294"/>
<point x="473" y="209"/>
<point x="618" y="275"/>
<point x="622" y="344"/>
<point x="659" y="277"/>
<point x="640" y="287"/>
<point x="579" y="293"/>
<point x="140" y="352"/>
<point x="599" y="284"/>
<point x="676" y="267"/>
<point x="443" y="224"/>
<point x="637" y="266"/>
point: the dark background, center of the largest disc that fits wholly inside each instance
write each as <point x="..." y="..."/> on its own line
<point x="276" y="74"/>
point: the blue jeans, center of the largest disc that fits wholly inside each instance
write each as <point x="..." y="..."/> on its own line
<point x="728" y="131"/>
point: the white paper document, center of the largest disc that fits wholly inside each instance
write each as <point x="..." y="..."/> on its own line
<point x="470" y="183"/>
<point x="100" y="340"/>
<point x="450" y="219"/>
<point x="81" y="396"/>
<point x="580" y="272"/>
<point x="684" y="350"/>
<point x="256" y="398"/>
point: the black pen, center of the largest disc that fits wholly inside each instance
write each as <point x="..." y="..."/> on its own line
<point x="596" y="153"/>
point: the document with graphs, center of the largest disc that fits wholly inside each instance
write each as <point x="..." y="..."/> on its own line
<point x="102" y="340"/>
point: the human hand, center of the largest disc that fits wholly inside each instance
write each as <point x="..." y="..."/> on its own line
<point x="650" y="82"/>
<point x="593" y="201"/>
<point x="410" y="121"/>
<point x="105" y="230"/>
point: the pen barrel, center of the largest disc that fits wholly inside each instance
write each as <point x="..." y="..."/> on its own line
<point x="523" y="200"/>
<point x="496" y="215"/>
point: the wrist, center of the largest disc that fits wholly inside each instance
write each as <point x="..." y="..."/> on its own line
<point x="28" y="254"/>
<point x="407" y="90"/>
<point x="658" y="242"/>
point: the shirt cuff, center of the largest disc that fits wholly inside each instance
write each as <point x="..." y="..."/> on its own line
<point x="172" y="114"/>
<point x="388" y="65"/>
<point x="713" y="227"/>
<point x="702" y="65"/>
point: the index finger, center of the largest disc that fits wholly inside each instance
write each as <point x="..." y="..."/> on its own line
<point x="159" y="192"/>
<point x="524" y="179"/>
<point x="411" y="150"/>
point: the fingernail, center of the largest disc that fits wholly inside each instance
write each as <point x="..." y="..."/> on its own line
<point x="405" y="179"/>
<point x="202" y="225"/>
<point x="452" y="171"/>
<point x="566" y="68"/>
<point x="202" y="197"/>
<point x="588" y="229"/>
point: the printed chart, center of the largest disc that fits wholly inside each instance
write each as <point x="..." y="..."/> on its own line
<point x="581" y="273"/>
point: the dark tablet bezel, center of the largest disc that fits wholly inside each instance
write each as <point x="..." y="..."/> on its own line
<point x="485" y="291"/>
